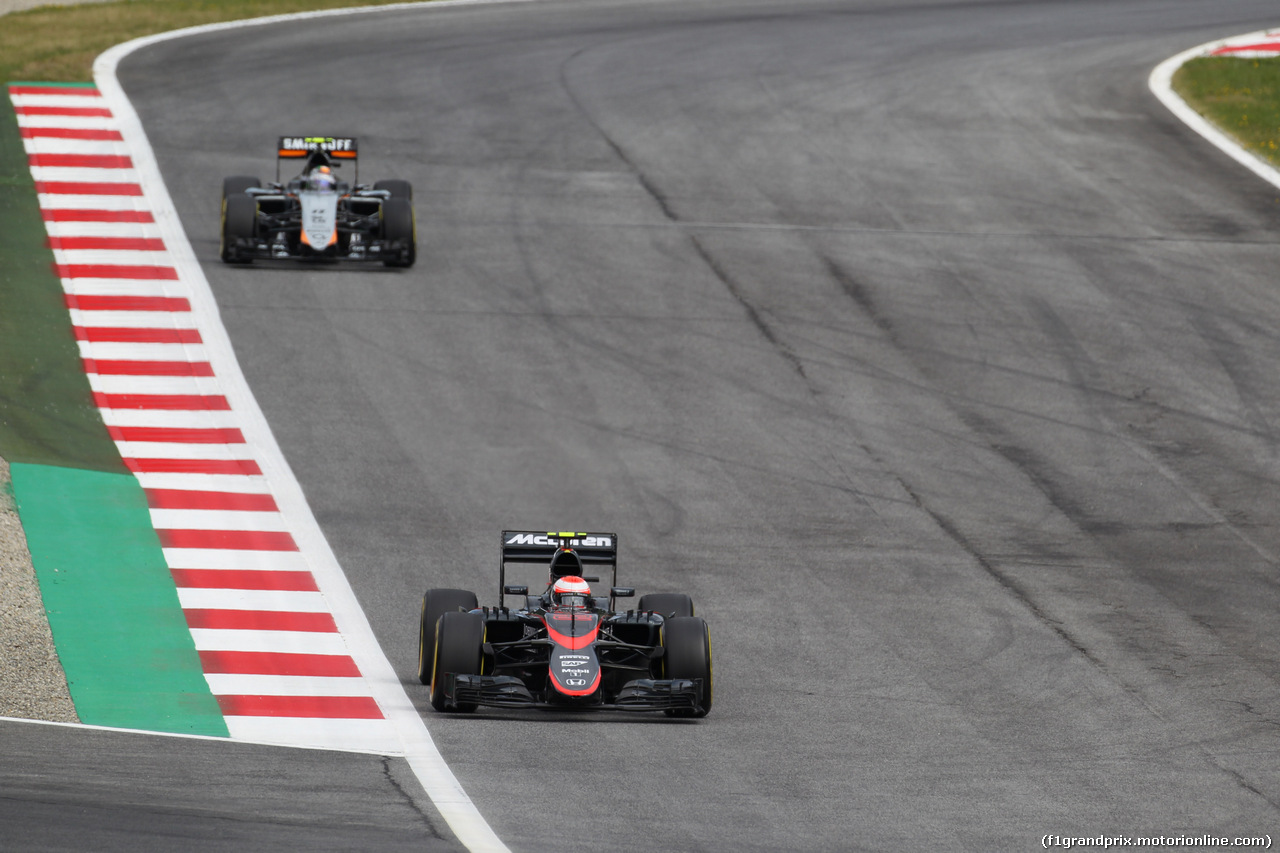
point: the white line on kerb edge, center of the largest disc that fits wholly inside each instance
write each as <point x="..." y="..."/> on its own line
<point x="425" y="760"/>
<point x="1161" y="84"/>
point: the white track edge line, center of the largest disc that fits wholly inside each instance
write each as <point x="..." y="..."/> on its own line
<point x="1161" y="84"/>
<point x="435" y="776"/>
<point x="184" y="736"/>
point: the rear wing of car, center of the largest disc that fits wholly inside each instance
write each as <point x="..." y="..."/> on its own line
<point x="539" y="546"/>
<point x="328" y="149"/>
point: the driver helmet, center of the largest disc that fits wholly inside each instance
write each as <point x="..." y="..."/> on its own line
<point x="570" y="591"/>
<point x="322" y="179"/>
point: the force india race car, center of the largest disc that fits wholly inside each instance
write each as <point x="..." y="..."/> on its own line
<point x="316" y="215"/>
<point x="564" y="651"/>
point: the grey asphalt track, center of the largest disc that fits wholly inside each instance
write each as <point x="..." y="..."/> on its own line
<point x="84" y="789"/>
<point x="914" y="340"/>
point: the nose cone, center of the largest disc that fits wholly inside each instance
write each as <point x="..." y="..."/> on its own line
<point x="319" y="219"/>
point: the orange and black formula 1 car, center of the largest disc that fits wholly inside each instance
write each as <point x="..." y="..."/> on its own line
<point x="565" y="648"/>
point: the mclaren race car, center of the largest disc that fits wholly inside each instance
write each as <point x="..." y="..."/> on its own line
<point x="565" y="647"/>
<point x="317" y="215"/>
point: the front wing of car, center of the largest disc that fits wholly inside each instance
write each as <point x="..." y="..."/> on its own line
<point x="505" y="691"/>
<point x="279" y="224"/>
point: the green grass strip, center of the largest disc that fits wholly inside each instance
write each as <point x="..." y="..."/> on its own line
<point x="60" y="42"/>
<point x="59" y="85"/>
<point x="47" y="413"/>
<point x="1239" y="95"/>
<point x="113" y="608"/>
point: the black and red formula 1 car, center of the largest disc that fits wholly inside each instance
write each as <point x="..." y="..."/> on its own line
<point x="564" y="648"/>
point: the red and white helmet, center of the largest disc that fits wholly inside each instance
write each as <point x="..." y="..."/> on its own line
<point x="570" y="591"/>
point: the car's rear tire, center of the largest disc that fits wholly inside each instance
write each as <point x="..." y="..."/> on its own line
<point x="398" y="224"/>
<point x="667" y="604"/>
<point x="239" y="222"/>
<point x="459" y="642"/>
<point x="397" y="188"/>
<point x="436" y="603"/>
<point x="686" y="643"/>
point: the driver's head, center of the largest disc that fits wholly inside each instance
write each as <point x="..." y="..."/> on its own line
<point x="570" y="591"/>
<point x="322" y="179"/>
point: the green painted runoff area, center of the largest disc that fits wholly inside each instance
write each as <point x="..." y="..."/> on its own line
<point x="112" y="605"/>
<point x="120" y="633"/>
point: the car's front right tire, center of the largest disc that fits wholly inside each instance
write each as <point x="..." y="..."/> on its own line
<point x="237" y="184"/>
<point x="239" y="222"/>
<point x="459" y="650"/>
<point x="435" y="603"/>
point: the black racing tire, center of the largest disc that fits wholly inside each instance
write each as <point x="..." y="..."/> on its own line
<point x="686" y="644"/>
<point x="436" y="603"/>
<point x="667" y="604"/>
<point x="239" y="220"/>
<point x="398" y="224"/>
<point x="397" y="188"/>
<point x="237" y="184"/>
<point x="459" y="649"/>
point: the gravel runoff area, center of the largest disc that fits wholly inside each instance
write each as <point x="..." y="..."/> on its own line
<point x="32" y="684"/>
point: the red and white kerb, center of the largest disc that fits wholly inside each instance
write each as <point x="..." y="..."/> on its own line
<point x="1254" y="45"/>
<point x="271" y="651"/>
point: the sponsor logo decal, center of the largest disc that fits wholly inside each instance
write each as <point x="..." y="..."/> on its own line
<point x="317" y="143"/>
<point x="580" y="632"/>
<point x="552" y="540"/>
<point x="586" y="620"/>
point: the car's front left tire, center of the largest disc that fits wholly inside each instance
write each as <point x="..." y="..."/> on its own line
<point x="397" y="188"/>
<point x="398" y="226"/>
<point x="667" y="604"/>
<point x="686" y="643"/>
